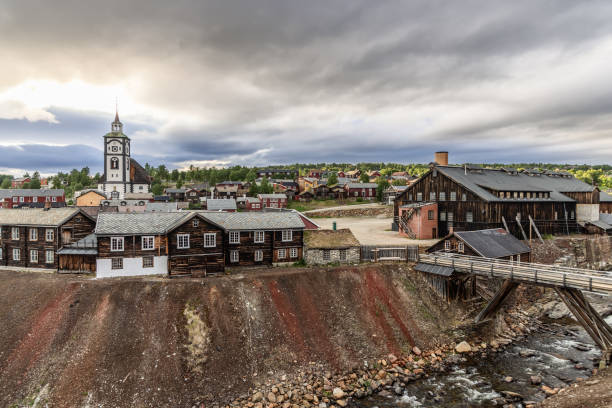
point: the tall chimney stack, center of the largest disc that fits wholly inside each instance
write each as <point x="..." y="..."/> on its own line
<point x="441" y="158"/>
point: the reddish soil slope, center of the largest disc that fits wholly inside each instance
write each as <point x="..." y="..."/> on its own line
<point x="157" y="342"/>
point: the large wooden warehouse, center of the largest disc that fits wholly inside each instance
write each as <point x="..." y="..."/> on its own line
<point x="474" y="198"/>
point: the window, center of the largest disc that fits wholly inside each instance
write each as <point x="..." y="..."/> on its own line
<point x="450" y="217"/>
<point x="54" y="199"/>
<point x="460" y="247"/>
<point x="453" y="196"/>
<point x="148" y="243"/>
<point x="419" y="196"/>
<point x="447" y="245"/>
<point x="0" y="253"/>
<point x="114" y="163"/>
<point x="442" y="195"/>
<point x="432" y="196"/>
<point x="49" y="233"/>
<point x="287" y="235"/>
<point x="463" y="197"/>
<point x="147" y="261"/>
<point x="210" y="240"/>
<point x="234" y="257"/>
<point x="430" y="215"/>
<point x="258" y="255"/>
<point x="234" y="237"/>
<point x="33" y="256"/>
<point x="469" y="217"/>
<point x="293" y="252"/>
<point x="572" y="215"/>
<point x="343" y="254"/>
<point x="196" y="222"/>
<point x="117" y="263"/>
<point x="16" y="254"/>
<point x="259" y="236"/>
<point x="21" y="199"/>
<point x="282" y="253"/>
<point x="116" y="244"/>
<point x="49" y="256"/>
<point x="33" y="234"/>
<point x="15" y="233"/>
<point x="182" y="241"/>
<point x="14" y="199"/>
<point x="442" y="216"/>
<point x="410" y="197"/>
<point x="326" y="255"/>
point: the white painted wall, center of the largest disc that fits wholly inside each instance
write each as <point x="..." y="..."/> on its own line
<point x="587" y="212"/>
<point x="131" y="267"/>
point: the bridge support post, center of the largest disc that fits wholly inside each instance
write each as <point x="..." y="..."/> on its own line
<point x="587" y="316"/>
<point x="498" y="299"/>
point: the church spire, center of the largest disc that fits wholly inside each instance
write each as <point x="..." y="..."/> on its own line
<point x="117" y="126"/>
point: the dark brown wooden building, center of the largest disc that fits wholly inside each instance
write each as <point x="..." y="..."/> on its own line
<point x="474" y="198"/>
<point x="30" y="238"/>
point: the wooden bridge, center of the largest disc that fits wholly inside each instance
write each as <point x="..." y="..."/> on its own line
<point x="569" y="283"/>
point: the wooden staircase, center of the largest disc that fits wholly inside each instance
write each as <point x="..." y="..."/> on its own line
<point x="403" y="222"/>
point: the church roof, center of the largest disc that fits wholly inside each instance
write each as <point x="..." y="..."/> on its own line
<point x="138" y="175"/>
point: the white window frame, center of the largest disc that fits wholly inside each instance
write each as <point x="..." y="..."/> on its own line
<point x="447" y="245"/>
<point x="326" y="255"/>
<point x="21" y="199"/>
<point x="16" y="251"/>
<point x="33" y="256"/>
<point x="234" y="237"/>
<point x="183" y="244"/>
<point x="147" y="258"/>
<point x="259" y="237"/>
<point x="196" y="223"/>
<point x="33" y="234"/>
<point x="469" y="216"/>
<point x="210" y="240"/>
<point x="432" y="196"/>
<point x="287" y="235"/>
<point x="293" y="252"/>
<point x="419" y="196"/>
<point x="49" y="235"/>
<point x="54" y="199"/>
<point x="147" y="243"/>
<point x="442" y="196"/>
<point x="117" y="244"/>
<point x="258" y="255"/>
<point x="15" y="233"/>
<point x="49" y="256"/>
<point x="461" y="247"/>
<point x="117" y="266"/>
<point x="453" y="196"/>
<point x="234" y="256"/>
<point x="282" y="253"/>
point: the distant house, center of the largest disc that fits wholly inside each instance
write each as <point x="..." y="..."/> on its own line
<point x="289" y="188"/>
<point x="400" y="174"/>
<point x="337" y="192"/>
<point x="283" y="173"/>
<point x="321" y="191"/>
<point x="605" y="202"/>
<point x="221" y="204"/>
<point x="138" y="196"/>
<point x="89" y="198"/>
<point x="229" y="189"/>
<point x="315" y="173"/>
<point x="367" y="191"/>
<point x="175" y="194"/>
<point x="391" y="192"/>
<point x="20" y="181"/>
<point x="305" y="196"/>
<point x="252" y="204"/>
<point x="16" y="198"/>
<point x="341" y="174"/>
<point x="353" y="174"/>
<point x="494" y="243"/>
<point x="307" y="183"/>
<point x="327" y="246"/>
<point x="273" y="200"/>
<point x="193" y="195"/>
<point x="374" y="174"/>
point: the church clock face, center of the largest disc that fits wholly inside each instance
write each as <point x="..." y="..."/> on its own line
<point x="115" y="149"/>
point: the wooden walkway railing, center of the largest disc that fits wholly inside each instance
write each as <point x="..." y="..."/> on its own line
<point x="544" y="275"/>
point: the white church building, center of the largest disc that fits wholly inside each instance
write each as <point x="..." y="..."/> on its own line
<point x="122" y="174"/>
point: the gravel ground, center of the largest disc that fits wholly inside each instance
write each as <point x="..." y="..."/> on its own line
<point x="373" y="231"/>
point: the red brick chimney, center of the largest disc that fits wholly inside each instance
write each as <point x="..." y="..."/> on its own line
<point x="441" y="158"/>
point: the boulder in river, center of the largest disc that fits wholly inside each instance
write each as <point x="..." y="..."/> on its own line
<point x="463" y="347"/>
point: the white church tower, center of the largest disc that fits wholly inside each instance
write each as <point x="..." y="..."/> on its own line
<point x="122" y="174"/>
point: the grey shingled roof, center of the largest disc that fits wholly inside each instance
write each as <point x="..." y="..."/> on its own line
<point x="273" y="196"/>
<point x="601" y="224"/>
<point x="27" y="192"/>
<point x="138" y="223"/>
<point x="362" y="185"/>
<point x="37" y="216"/>
<point x="605" y="197"/>
<point x="435" y="269"/>
<point x="499" y="180"/>
<point x="493" y="243"/>
<point x="607" y="218"/>
<point x="85" y="246"/>
<point x="219" y="204"/>
<point x="255" y="220"/>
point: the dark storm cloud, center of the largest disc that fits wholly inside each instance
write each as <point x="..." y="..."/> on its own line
<point x="281" y="81"/>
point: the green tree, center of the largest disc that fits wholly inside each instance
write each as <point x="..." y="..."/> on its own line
<point x="364" y="178"/>
<point x="35" y="184"/>
<point x="265" y="187"/>
<point x="157" y="189"/>
<point x="251" y="176"/>
<point x="253" y="190"/>
<point x="399" y="182"/>
<point x="332" y="179"/>
<point x="179" y="183"/>
<point x="382" y="186"/>
<point x="6" y="183"/>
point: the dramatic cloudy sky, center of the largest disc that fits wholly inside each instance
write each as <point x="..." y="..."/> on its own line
<point x="278" y="81"/>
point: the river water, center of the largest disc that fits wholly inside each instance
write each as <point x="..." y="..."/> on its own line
<point x="552" y="354"/>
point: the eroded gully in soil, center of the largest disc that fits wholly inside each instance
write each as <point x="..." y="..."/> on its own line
<point x="558" y="354"/>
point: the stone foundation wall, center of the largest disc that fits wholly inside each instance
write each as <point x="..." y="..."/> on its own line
<point x="315" y="256"/>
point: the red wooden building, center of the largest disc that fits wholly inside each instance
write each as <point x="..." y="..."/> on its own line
<point x="367" y="191"/>
<point x="273" y="200"/>
<point x="15" y="198"/>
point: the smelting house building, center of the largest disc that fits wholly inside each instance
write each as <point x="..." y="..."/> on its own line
<point x="474" y="198"/>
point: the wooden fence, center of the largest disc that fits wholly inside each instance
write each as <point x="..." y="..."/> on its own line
<point x="393" y="253"/>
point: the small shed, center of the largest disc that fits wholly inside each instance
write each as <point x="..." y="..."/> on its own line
<point x="328" y="246"/>
<point x="80" y="256"/>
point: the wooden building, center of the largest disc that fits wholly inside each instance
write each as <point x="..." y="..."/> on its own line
<point x="605" y="203"/>
<point x="175" y="194"/>
<point x="221" y="204"/>
<point x="273" y="200"/>
<point x="366" y="191"/>
<point x="79" y="256"/>
<point x="473" y="198"/>
<point x="282" y="173"/>
<point x="494" y="243"/>
<point x="30" y="238"/>
<point x="330" y="246"/>
<point x="31" y="198"/>
<point x="90" y="198"/>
